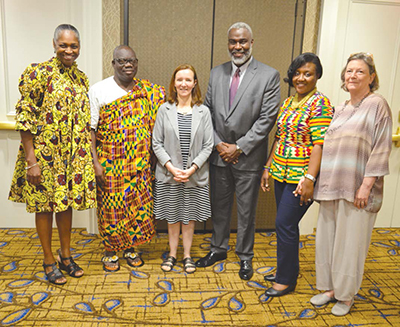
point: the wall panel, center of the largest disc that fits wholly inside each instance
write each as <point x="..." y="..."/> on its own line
<point x="165" y="34"/>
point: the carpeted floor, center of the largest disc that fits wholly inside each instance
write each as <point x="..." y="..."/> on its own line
<point x="214" y="296"/>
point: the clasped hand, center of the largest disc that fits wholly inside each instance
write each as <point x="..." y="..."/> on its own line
<point x="181" y="175"/>
<point x="228" y="152"/>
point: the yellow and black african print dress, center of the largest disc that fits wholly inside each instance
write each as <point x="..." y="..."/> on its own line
<point x="125" y="203"/>
<point x="54" y="107"/>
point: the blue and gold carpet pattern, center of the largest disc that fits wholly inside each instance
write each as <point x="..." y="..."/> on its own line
<point x="213" y="296"/>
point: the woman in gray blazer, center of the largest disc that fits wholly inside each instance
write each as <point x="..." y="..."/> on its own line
<point x="182" y="143"/>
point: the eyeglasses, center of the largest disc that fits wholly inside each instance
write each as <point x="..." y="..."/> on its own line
<point x="124" y="61"/>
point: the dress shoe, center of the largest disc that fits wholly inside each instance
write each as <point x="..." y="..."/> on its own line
<point x="269" y="278"/>
<point x="321" y="299"/>
<point x="246" y="269"/>
<point x="341" y="308"/>
<point x="210" y="259"/>
<point x="274" y="293"/>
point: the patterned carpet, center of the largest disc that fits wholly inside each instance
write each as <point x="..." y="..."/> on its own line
<point x="214" y="296"/>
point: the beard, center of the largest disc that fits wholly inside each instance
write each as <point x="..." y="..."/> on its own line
<point x="242" y="60"/>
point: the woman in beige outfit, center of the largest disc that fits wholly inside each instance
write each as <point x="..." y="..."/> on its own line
<point x="350" y="186"/>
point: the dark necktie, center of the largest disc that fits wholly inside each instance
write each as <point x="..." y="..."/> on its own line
<point x="234" y="86"/>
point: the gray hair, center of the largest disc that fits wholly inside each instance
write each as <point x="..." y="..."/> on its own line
<point x="241" y="25"/>
<point x="65" y="27"/>
<point x="368" y="58"/>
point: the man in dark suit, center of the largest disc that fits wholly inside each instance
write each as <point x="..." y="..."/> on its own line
<point x="243" y="96"/>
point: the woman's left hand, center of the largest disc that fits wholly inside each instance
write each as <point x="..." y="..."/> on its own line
<point x="362" y="195"/>
<point x="305" y="188"/>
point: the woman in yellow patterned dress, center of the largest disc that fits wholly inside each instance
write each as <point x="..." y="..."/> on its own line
<point x="54" y="171"/>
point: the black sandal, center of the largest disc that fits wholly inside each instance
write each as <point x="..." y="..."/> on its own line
<point x="54" y="274"/>
<point x="72" y="268"/>
<point x="188" y="263"/>
<point x="168" y="263"/>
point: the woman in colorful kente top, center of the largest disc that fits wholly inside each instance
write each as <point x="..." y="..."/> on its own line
<point x="123" y="112"/>
<point x="296" y="156"/>
<point x="182" y="141"/>
<point x="54" y="170"/>
<point x="350" y="187"/>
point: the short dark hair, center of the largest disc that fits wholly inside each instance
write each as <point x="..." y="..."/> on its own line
<point x="301" y="60"/>
<point x="196" y="93"/>
<point x="65" y="27"/>
<point x="369" y="60"/>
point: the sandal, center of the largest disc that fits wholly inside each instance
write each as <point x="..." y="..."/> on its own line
<point x="72" y="268"/>
<point x="189" y="264"/>
<point x="168" y="264"/>
<point x="133" y="259"/>
<point x="109" y="263"/>
<point x="54" y="274"/>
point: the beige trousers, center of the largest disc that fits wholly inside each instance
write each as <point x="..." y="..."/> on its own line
<point x="341" y="247"/>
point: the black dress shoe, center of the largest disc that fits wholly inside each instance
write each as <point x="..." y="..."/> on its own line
<point x="246" y="269"/>
<point x="210" y="259"/>
<point x="269" y="278"/>
<point x="274" y="293"/>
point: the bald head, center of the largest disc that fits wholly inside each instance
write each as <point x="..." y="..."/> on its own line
<point x="124" y="48"/>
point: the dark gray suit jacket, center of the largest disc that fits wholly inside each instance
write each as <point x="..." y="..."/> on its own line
<point x="252" y="115"/>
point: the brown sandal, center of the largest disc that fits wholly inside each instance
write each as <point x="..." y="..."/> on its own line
<point x="107" y="260"/>
<point x="133" y="259"/>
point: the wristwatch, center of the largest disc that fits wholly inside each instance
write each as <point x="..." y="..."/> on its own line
<point x="239" y="149"/>
<point x="310" y="177"/>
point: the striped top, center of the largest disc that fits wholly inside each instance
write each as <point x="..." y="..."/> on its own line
<point x="298" y="130"/>
<point x="185" y="126"/>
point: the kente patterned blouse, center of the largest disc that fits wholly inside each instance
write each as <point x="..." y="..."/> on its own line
<point x="300" y="126"/>
<point x="54" y="107"/>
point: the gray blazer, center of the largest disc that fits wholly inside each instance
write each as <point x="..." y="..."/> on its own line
<point x="252" y="115"/>
<point x="166" y="144"/>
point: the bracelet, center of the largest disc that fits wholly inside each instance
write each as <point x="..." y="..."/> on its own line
<point x="310" y="177"/>
<point x="267" y="168"/>
<point x="29" y="167"/>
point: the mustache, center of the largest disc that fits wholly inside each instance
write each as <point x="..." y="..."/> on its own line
<point x="239" y="51"/>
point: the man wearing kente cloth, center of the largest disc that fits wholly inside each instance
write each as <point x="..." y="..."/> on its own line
<point x="123" y="111"/>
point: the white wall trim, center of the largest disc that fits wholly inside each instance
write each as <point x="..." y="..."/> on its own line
<point x="379" y="2"/>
